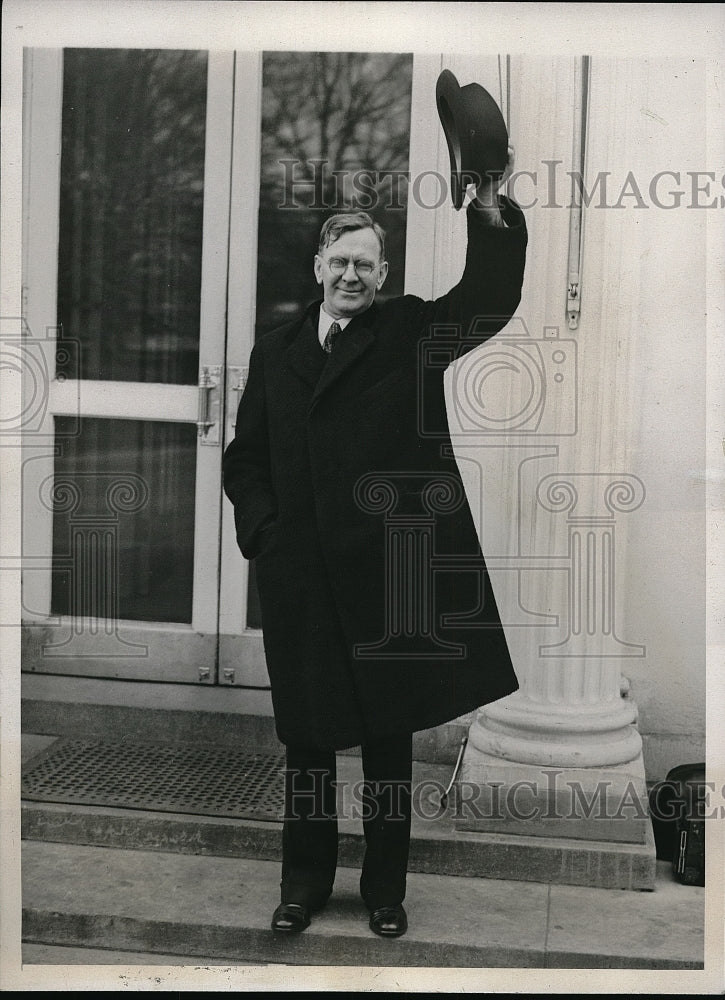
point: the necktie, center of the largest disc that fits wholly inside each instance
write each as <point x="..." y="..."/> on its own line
<point x="334" y="330"/>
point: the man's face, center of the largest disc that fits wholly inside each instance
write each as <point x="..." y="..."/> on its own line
<point x="351" y="272"/>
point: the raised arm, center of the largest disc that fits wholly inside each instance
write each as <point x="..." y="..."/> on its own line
<point x="489" y="290"/>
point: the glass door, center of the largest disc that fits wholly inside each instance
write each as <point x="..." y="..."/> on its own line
<point x="127" y="187"/>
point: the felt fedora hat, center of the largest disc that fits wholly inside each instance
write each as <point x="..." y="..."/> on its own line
<point x="475" y="132"/>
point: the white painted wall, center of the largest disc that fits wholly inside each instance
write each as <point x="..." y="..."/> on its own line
<point x="657" y="262"/>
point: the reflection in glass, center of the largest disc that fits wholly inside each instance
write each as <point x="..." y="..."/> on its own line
<point x="123" y="519"/>
<point x="132" y="180"/>
<point x="335" y="137"/>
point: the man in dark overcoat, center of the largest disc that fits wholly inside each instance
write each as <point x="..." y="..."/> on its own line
<point x="330" y="428"/>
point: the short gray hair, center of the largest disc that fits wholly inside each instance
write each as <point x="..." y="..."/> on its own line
<point x="346" y="222"/>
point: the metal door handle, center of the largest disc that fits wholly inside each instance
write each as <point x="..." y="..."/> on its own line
<point x="209" y="404"/>
<point x="236" y="381"/>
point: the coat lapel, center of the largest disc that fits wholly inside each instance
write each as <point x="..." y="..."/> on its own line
<point x="305" y="356"/>
<point x="357" y="338"/>
<point x="320" y="370"/>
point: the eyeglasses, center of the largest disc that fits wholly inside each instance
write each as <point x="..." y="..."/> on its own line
<point x="363" y="268"/>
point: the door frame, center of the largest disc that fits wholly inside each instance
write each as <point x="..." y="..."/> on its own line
<point x="242" y="661"/>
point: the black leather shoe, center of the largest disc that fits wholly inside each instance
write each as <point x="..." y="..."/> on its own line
<point x="290" y="918"/>
<point x="389" y="921"/>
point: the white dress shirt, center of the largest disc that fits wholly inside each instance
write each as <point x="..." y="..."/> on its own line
<point x="326" y="321"/>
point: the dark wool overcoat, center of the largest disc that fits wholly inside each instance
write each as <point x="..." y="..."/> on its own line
<point x="347" y="494"/>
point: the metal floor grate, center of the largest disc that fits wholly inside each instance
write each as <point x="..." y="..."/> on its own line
<point x="201" y="779"/>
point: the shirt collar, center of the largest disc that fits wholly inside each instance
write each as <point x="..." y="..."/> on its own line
<point x="325" y="322"/>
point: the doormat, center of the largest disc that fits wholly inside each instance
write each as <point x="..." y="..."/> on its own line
<point x="201" y="779"/>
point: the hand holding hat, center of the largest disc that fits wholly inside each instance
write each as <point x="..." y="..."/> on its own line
<point x="477" y="138"/>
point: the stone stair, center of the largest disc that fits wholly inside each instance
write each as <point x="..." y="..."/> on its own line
<point x="203" y="888"/>
<point x="219" y="908"/>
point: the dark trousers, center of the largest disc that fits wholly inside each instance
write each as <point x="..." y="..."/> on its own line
<point x="309" y="836"/>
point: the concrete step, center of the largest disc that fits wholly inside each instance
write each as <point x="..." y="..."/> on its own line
<point x="437" y="847"/>
<point x="56" y="954"/>
<point x="156" y="902"/>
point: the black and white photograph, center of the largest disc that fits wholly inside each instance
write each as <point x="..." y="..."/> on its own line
<point x="363" y="473"/>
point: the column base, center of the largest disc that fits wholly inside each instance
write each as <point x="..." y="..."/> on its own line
<point x="583" y="826"/>
<point x="558" y="861"/>
<point x="516" y="728"/>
